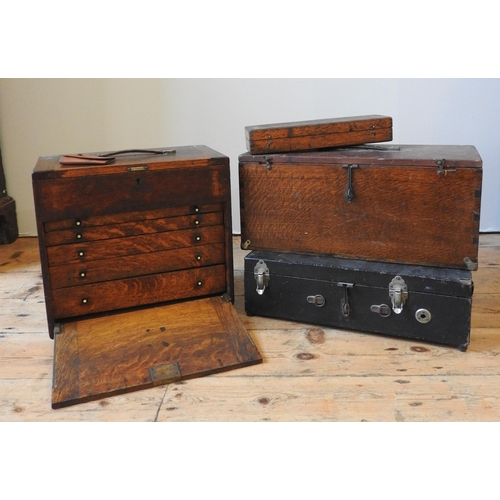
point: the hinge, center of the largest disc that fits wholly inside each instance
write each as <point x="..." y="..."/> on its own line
<point x="269" y="162"/>
<point x="441" y="166"/>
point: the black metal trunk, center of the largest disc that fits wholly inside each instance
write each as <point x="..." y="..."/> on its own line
<point x="416" y="302"/>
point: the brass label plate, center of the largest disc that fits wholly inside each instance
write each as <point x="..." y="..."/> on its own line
<point x="165" y="374"/>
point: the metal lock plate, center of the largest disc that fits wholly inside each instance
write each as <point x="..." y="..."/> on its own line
<point x="261" y="275"/>
<point x="398" y="292"/>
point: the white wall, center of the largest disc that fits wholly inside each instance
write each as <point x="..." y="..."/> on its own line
<point x="46" y="116"/>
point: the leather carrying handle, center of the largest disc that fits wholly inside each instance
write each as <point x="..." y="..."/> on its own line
<point x="106" y="158"/>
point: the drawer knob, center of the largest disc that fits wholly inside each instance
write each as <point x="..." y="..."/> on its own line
<point x="199" y="283"/>
<point x="198" y="257"/>
<point x="196" y="209"/>
<point x="198" y="238"/>
<point x="196" y="222"/>
<point x="78" y="236"/>
<point x="78" y="222"/>
<point x="81" y="253"/>
<point x="85" y="301"/>
<point x="83" y="274"/>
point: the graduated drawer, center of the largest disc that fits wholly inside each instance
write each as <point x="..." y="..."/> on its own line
<point x="131" y="292"/>
<point x="133" y="245"/>
<point x="114" y="268"/>
<point x="96" y="228"/>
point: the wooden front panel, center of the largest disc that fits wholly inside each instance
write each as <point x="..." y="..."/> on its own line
<point x="88" y="196"/>
<point x="138" y="291"/>
<point x="398" y="214"/>
<point x="124" y="352"/>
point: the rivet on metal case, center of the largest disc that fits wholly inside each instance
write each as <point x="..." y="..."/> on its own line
<point x="423" y="316"/>
<point x="261" y="274"/>
<point x="398" y="292"/>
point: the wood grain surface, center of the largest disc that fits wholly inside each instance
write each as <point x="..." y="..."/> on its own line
<point x="308" y="374"/>
<point x="408" y="215"/>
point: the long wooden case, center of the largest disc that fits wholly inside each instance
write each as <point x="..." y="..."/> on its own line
<point x="137" y="269"/>
<point x="313" y="134"/>
<point x="412" y="302"/>
<point x="412" y="204"/>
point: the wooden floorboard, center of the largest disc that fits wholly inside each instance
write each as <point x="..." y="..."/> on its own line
<point x="309" y="374"/>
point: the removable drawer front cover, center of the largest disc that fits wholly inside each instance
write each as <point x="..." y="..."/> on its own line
<point x="401" y="203"/>
<point x="414" y="302"/>
<point x="138" y="271"/>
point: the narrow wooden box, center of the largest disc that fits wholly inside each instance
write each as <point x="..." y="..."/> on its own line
<point x="138" y="270"/>
<point x="316" y="134"/>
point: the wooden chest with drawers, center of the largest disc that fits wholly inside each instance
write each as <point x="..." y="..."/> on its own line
<point x="137" y="267"/>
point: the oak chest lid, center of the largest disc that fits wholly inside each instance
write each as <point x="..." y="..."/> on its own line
<point x="462" y="156"/>
<point x="110" y="162"/>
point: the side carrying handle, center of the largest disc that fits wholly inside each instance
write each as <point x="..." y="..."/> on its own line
<point x="80" y="159"/>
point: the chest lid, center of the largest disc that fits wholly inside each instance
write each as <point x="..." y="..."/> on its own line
<point x="439" y="157"/>
<point x="113" y="162"/>
<point x="114" y="354"/>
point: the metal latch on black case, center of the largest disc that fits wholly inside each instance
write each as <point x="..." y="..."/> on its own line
<point x="261" y="275"/>
<point x="398" y="292"/>
<point x="317" y="300"/>
<point x="383" y="309"/>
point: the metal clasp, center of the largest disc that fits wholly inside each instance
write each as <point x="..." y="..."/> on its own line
<point x="398" y="292"/>
<point x="261" y="275"/>
<point x="317" y="300"/>
<point x="349" y="190"/>
<point x="345" y="306"/>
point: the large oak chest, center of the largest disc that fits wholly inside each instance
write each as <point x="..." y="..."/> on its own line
<point x="412" y="204"/>
<point x="138" y="271"/>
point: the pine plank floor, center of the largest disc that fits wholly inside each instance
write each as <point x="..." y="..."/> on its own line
<point x="309" y="374"/>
